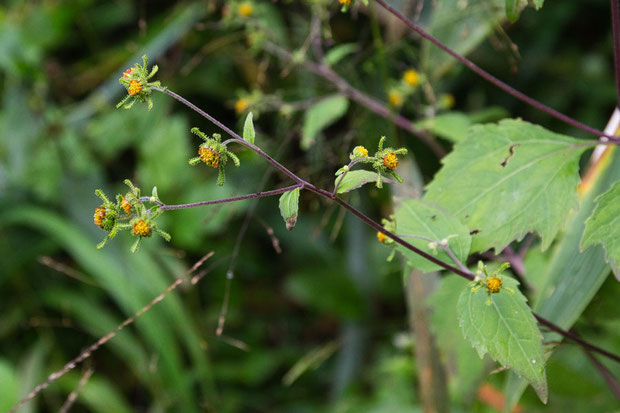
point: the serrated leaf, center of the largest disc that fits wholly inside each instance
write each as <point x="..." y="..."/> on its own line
<point x="572" y="278"/>
<point x="320" y="116"/>
<point x="289" y="207"/>
<point x="603" y="227"/>
<point x="248" y="129"/>
<point x="506" y="330"/>
<point x="422" y="218"/>
<point x="355" y="179"/>
<point x="508" y="179"/>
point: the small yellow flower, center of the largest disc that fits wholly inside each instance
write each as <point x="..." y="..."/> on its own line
<point x="381" y="237"/>
<point x="99" y="216"/>
<point x="209" y="156"/>
<point x="134" y="87"/>
<point x="494" y="284"/>
<point x="346" y="3"/>
<point x="395" y="98"/>
<point x="241" y="105"/>
<point x="141" y="228"/>
<point x="446" y="101"/>
<point x="126" y="205"/>
<point x="390" y="161"/>
<point x="411" y="77"/>
<point x="360" y="152"/>
<point x="245" y="9"/>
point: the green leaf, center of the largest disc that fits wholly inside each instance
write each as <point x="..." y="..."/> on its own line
<point x="320" y="116"/>
<point x="508" y="179"/>
<point x="603" y="227"/>
<point x="422" y="218"/>
<point x="248" y="129"/>
<point x="289" y="207"/>
<point x="337" y="53"/>
<point x="355" y="179"/>
<point x="513" y="9"/>
<point x="9" y="390"/>
<point x="538" y="3"/>
<point x="572" y="278"/>
<point x="502" y="325"/>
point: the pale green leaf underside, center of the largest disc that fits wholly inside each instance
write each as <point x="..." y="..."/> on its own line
<point x="508" y="179"/>
<point x="422" y="218"/>
<point x="603" y="227"/>
<point x="289" y="207"/>
<point x="355" y="179"/>
<point x="506" y="330"/>
<point x="248" y="129"/>
<point x="320" y="116"/>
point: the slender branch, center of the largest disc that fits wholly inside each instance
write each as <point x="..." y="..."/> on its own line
<point x="605" y="373"/>
<point x="370" y="103"/>
<point x="495" y="81"/>
<point x="165" y="207"/>
<point x="615" y="24"/>
<point x="368" y="221"/>
<point x="443" y="246"/>
<point x="86" y="353"/>
<point x="74" y="394"/>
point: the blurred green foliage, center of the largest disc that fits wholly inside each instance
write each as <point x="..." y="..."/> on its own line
<point x="61" y="138"/>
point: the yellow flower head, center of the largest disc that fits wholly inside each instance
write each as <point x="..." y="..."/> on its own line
<point x="360" y="152"/>
<point x="126" y="205"/>
<point x="134" y="87"/>
<point x="245" y="9"/>
<point x="446" y="101"/>
<point x="494" y="284"/>
<point x="381" y="237"/>
<point x="141" y="228"/>
<point x="395" y="98"/>
<point x="241" y="105"/>
<point x="390" y="161"/>
<point x="209" y="156"/>
<point x="411" y="77"/>
<point x="345" y="3"/>
<point x="99" y="216"/>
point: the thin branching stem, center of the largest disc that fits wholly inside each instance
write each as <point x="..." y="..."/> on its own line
<point x="356" y="95"/>
<point x="164" y="207"/>
<point x="370" y="222"/>
<point x="495" y="81"/>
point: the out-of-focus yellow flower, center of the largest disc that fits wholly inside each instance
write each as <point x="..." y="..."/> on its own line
<point x="245" y="9"/>
<point x="346" y="3"/>
<point x="446" y="101"/>
<point x="411" y="77"/>
<point x="241" y="105"/>
<point x="395" y="98"/>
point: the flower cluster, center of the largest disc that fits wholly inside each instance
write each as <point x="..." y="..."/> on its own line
<point x="136" y="81"/>
<point x="213" y="153"/>
<point x="492" y="282"/>
<point x="384" y="161"/>
<point x="128" y="212"/>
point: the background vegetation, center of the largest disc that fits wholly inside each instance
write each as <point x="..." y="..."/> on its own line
<point x="328" y="306"/>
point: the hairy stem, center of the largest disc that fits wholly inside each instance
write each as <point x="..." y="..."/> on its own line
<point x="495" y="81"/>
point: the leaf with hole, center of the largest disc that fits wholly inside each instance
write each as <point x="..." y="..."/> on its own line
<point x="508" y="179"/>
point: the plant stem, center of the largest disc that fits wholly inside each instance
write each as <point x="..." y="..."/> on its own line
<point x="313" y="188"/>
<point x="165" y="207"/>
<point x="495" y="81"/>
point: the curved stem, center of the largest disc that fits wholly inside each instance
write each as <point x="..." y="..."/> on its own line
<point x="492" y="79"/>
<point x="165" y="207"/>
<point x="465" y="273"/>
